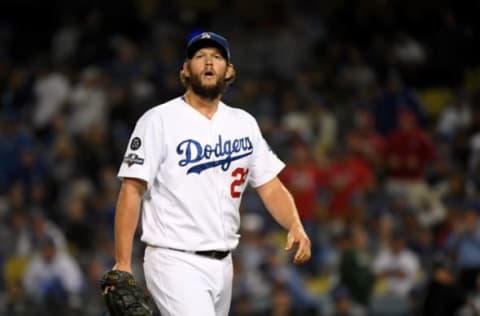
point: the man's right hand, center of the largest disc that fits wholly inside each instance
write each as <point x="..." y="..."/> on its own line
<point x="119" y="267"/>
<point x="122" y="267"/>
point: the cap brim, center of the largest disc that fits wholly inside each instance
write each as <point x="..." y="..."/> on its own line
<point x="206" y="42"/>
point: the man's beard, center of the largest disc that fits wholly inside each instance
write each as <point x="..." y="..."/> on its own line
<point x="207" y="92"/>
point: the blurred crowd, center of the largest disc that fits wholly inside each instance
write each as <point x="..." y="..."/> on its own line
<point x="374" y="105"/>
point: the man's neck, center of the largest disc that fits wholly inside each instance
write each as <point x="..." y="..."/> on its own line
<point x="206" y="107"/>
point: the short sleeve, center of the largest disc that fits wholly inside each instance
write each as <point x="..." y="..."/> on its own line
<point x="265" y="164"/>
<point x="143" y="154"/>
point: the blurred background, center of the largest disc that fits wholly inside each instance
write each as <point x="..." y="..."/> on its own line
<point x="374" y="105"/>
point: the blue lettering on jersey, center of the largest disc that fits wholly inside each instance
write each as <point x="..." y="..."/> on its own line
<point x="193" y="152"/>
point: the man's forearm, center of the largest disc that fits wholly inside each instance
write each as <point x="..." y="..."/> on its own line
<point x="279" y="202"/>
<point x="126" y="220"/>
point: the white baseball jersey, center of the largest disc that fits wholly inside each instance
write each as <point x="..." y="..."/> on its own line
<point x="196" y="170"/>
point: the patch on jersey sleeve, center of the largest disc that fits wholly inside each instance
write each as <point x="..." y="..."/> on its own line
<point x="132" y="159"/>
<point x="135" y="143"/>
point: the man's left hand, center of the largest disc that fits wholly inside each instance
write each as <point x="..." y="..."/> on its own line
<point x="297" y="236"/>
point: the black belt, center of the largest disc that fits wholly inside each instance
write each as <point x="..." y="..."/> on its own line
<point x="214" y="254"/>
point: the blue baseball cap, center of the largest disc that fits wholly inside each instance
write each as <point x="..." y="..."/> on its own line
<point x="208" y="39"/>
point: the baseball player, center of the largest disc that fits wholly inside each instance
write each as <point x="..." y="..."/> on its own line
<point x="186" y="166"/>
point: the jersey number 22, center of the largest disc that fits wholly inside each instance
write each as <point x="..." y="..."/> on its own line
<point x="240" y="175"/>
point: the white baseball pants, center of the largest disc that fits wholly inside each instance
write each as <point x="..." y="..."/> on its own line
<point x="186" y="284"/>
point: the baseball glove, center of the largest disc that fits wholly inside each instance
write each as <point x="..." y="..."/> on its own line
<point x="126" y="298"/>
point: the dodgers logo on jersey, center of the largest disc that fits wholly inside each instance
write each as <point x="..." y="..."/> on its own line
<point x="195" y="154"/>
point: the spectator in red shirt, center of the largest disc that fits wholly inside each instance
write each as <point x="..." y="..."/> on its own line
<point x="365" y="142"/>
<point x="409" y="150"/>
<point x="301" y="176"/>
<point x="348" y="178"/>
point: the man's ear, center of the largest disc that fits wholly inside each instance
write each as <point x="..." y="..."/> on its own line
<point x="185" y="70"/>
<point x="230" y="73"/>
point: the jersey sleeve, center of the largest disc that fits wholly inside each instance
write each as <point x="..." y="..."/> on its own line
<point x="265" y="163"/>
<point x="143" y="154"/>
